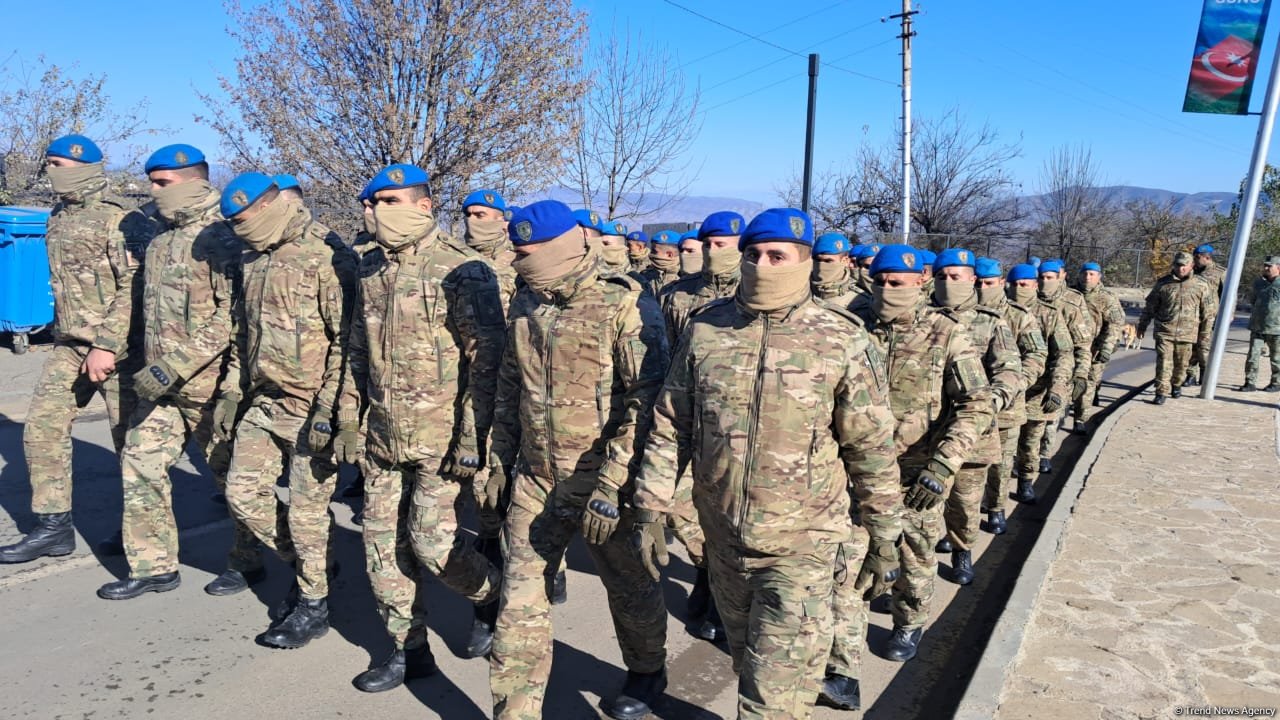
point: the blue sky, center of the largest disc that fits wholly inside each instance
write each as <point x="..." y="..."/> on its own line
<point x="1110" y="75"/>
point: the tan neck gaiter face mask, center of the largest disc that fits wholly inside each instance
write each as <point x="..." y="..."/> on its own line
<point x="638" y="256"/>
<point x="73" y="183"/>
<point x="399" y="225"/>
<point x="552" y="262"/>
<point x="765" y="288"/>
<point x="184" y="197"/>
<point x="953" y="293"/>
<point x="991" y="296"/>
<point x="691" y="263"/>
<point x="1022" y="295"/>
<point x="615" y="257"/>
<point x="1050" y="288"/>
<point x="485" y="236"/>
<point x="894" y="303"/>
<point x="666" y="264"/>
<point x="267" y="227"/>
<point x="370" y="222"/>
<point x="829" y="273"/>
<point x="722" y="261"/>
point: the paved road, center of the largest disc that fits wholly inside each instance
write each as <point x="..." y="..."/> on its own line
<point x="68" y="654"/>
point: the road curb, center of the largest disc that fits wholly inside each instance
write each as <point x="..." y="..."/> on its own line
<point x="981" y="698"/>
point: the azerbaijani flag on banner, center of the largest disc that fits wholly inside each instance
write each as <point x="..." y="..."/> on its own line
<point x="1226" y="58"/>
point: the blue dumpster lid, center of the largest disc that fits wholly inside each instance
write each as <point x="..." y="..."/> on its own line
<point x="15" y="215"/>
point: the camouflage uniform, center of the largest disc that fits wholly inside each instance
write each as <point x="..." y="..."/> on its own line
<point x="1108" y="318"/>
<point x="290" y="351"/>
<point x="575" y="395"/>
<point x="189" y="280"/>
<point x="96" y="244"/>
<point x="993" y="339"/>
<point x="1183" y="311"/>
<point x="1060" y="354"/>
<point x="942" y="406"/>
<point x="1215" y="276"/>
<point x="1264" y="329"/>
<point x="1079" y="323"/>
<point x="842" y="294"/>
<point x="426" y="336"/>
<point x="1032" y="353"/>
<point x="654" y="280"/>
<point x="785" y="419"/>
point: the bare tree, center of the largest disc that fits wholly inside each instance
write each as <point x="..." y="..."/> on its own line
<point x="1074" y="212"/>
<point x="1159" y="228"/>
<point x="41" y="102"/>
<point x="638" y="122"/>
<point x="477" y="93"/>
<point x="863" y="197"/>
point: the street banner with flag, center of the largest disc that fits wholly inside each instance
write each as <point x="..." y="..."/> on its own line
<point x="1226" y="56"/>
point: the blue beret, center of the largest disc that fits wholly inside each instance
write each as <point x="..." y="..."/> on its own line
<point x="987" y="268"/>
<point x="691" y="235"/>
<point x="869" y="250"/>
<point x="778" y="225"/>
<point x="243" y="191"/>
<point x="638" y="236"/>
<point x="174" y="157"/>
<point x="1050" y="266"/>
<point x="486" y="198"/>
<point x="364" y="193"/>
<point x="284" y="181"/>
<point x="589" y="219"/>
<point x="511" y="210"/>
<point x="75" y="147"/>
<point x="540" y="221"/>
<point x="952" y="257"/>
<point x="1024" y="271"/>
<point x="897" y="258"/>
<point x="853" y="251"/>
<point x="396" y="177"/>
<point x="929" y="256"/>
<point x="666" y="237"/>
<point x="831" y="243"/>
<point x="613" y="227"/>
<point x="720" y="224"/>
<point x="1204" y="249"/>
<point x="1034" y="261"/>
<point x="1091" y="266"/>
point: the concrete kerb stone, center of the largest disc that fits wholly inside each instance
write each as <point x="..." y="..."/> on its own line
<point x="982" y="697"/>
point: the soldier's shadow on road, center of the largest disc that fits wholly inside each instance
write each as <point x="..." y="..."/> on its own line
<point x="576" y="675"/>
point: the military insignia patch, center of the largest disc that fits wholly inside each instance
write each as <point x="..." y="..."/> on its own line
<point x="797" y="227"/>
<point x="239" y="198"/>
<point x="180" y="157"/>
<point x="595" y="218"/>
<point x="524" y="229"/>
<point x="964" y="256"/>
<point x="909" y="259"/>
<point x="397" y="176"/>
<point x="488" y="197"/>
<point x="622" y="229"/>
<point x="76" y="151"/>
<point x="506" y="215"/>
<point x="734" y="224"/>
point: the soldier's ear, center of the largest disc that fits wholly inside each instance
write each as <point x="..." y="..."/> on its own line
<point x="425" y="203"/>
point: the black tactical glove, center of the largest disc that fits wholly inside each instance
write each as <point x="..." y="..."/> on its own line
<point x="880" y="569"/>
<point x="346" y="444"/>
<point x="319" y="431"/>
<point x="928" y="489"/>
<point x="601" y="518"/>
<point x="1052" y="403"/>
<point x="1078" y="386"/>
<point x="153" y="381"/>
<point x="649" y="536"/>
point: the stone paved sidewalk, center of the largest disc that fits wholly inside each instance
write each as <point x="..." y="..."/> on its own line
<point x="1166" y="591"/>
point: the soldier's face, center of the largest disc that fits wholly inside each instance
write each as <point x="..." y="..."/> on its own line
<point x="368" y="208"/>
<point x="776" y="254"/>
<point x="1092" y="277"/>
<point x="255" y="209"/>
<point x="165" y="178"/>
<point x="898" y="279"/>
<point x="832" y="259"/>
<point x="1203" y="260"/>
<point x="1182" y="270"/>
<point x="636" y="247"/>
<point x="62" y="162"/>
<point x="1025" y="283"/>
<point x="402" y="196"/>
<point x="991" y="282"/>
<point x="1049" y="276"/>
<point x="612" y="240"/>
<point x="481" y="212"/>
<point x="691" y="247"/>
<point x="721" y="242"/>
<point x="667" y="252"/>
<point x="865" y="263"/>
<point x="1271" y="272"/>
<point x="591" y="233"/>
<point x="958" y="273"/>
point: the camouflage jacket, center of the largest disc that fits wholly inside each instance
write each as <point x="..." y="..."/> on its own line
<point x="95" y="248"/>
<point x="1108" y="318"/>
<point x="426" y="338"/>
<point x="840" y="294"/>
<point x="654" y="280"/>
<point x="785" y="419"/>
<point x="1059" y="359"/>
<point x="938" y="389"/>
<point x="993" y="340"/>
<point x="190" y="280"/>
<point x="499" y="262"/>
<point x="1183" y="310"/>
<point x="1079" y="324"/>
<point x="291" y="328"/>
<point x="1215" y="276"/>
<point x="689" y="293"/>
<point x="575" y="392"/>
<point x="1264" y="318"/>
<point x="1032" y="353"/>
<point x="641" y="265"/>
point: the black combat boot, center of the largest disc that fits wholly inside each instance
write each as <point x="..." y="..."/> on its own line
<point x="133" y="587"/>
<point x="638" y="696"/>
<point x="481" y="639"/>
<point x="231" y="582"/>
<point x="840" y="692"/>
<point x="1046" y="465"/>
<point x="1080" y="427"/>
<point x="1026" y="493"/>
<point x="995" y="523"/>
<point x="559" y="589"/>
<point x="309" y="620"/>
<point x="401" y="665"/>
<point x="1191" y="381"/>
<point x="1248" y="387"/>
<point x="1160" y="400"/>
<point x="491" y="549"/>
<point x="961" y="567"/>
<point x="943" y="546"/>
<point x="712" y="628"/>
<point x="1176" y="393"/>
<point x="52" y="536"/>
<point x="700" y="596"/>
<point x="1273" y="386"/>
<point x="903" y="644"/>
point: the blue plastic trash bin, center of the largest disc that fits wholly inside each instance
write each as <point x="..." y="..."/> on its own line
<point x="26" y="299"/>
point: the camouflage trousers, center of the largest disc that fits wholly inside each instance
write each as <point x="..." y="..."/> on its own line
<point x="999" y="475"/>
<point x="962" y="510"/>
<point x="1082" y="407"/>
<point x="848" y="609"/>
<point x="60" y="393"/>
<point x="1049" y="435"/>
<point x="411" y="527"/>
<point x="1256" y="345"/>
<point x="1030" y="442"/>
<point x="683" y="521"/>
<point x="913" y="591"/>
<point x="269" y="440"/>
<point x="158" y="433"/>
<point x="777" y="616"/>
<point x="1172" y="359"/>
<point x="534" y="540"/>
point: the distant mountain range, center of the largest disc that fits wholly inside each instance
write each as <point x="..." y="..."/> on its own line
<point x="1201" y="203"/>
